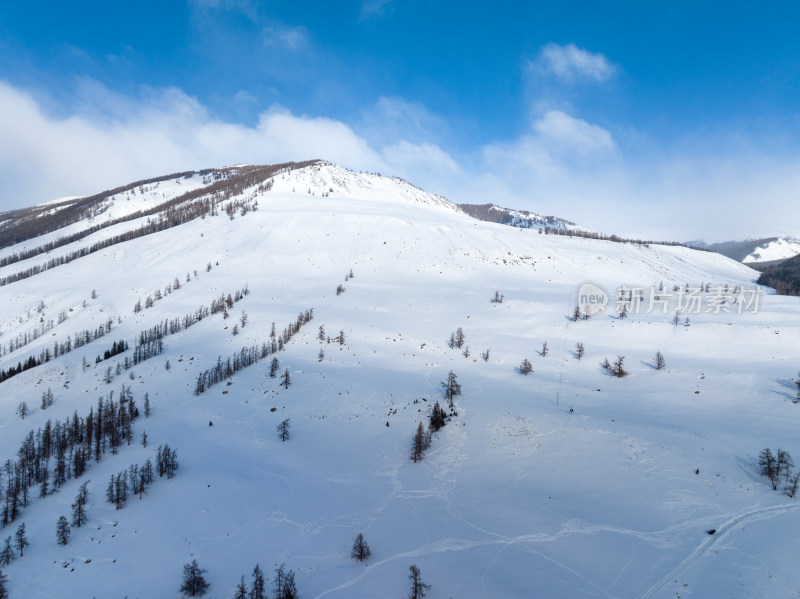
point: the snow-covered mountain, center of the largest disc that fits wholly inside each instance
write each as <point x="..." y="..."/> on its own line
<point x="565" y="482"/>
<point x="520" y="218"/>
<point x="777" y="249"/>
<point x="755" y="251"/>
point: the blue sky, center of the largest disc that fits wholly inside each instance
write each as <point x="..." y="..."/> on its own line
<point x="661" y="119"/>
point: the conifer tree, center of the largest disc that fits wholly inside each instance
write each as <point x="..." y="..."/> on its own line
<point x="20" y="540"/>
<point x="283" y="430"/>
<point x="79" y="507"/>
<point x="7" y="554"/>
<point x="361" y="550"/>
<point x="283" y="585"/>
<point x="194" y="583"/>
<point x="257" y="590"/>
<point x="62" y="531"/>
<point x="286" y="379"/>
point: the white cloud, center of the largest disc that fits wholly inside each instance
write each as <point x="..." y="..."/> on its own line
<point x="569" y="63"/>
<point x="574" y="134"/>
<point x="556" y="145"/>
<point x="282" y="36"/>
<point x="561" y="165"/>
<point x="121" y="139"/>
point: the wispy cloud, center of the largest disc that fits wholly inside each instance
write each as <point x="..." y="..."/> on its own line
<point x="283" y="36"/>
<point x="374" y="8"/>
<point x="569" y="63"/>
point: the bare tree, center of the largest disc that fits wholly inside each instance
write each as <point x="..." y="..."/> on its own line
<point x="792" y="485"/>
<point x="418" y="588"/>
<point x="768" y="466"/>
<point x="797" y="382"/>
<point x="784" y="463"/>
<point x="617" y="369"/>
<point x="451" y="388"/>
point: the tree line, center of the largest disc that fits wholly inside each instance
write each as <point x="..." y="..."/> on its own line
<point x="69" y="446"/>
<point x="248" y="356"/>
<point x="175" y="212"/>
<point x="59" y="348"/>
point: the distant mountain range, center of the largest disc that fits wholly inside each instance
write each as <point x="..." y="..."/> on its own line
<point x="765" y="251"/>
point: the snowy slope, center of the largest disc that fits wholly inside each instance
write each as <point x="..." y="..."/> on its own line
<point x="563" y="483"/>
<point x="779" y="249"/>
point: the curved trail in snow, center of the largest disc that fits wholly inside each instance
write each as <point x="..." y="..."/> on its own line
<point x="722" y="532"/>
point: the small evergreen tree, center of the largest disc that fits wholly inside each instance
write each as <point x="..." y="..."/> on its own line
<point x="283" y="585"/>
<point x="579" y="351"/>
<point x="576" y="314"/>
<point x="525" y="368"/>
<point x="273" y="368"/>
<point x="20" y="540"/>
<point x="79" y="507"/>
<point x="286" y="379"/>
<point x="545" y="351"/>
<point x="194" y="583"/>
<point x="62" y="531"/>
<point x="438" y="417"/>
<point x="3" y="589"/>
<point x="659" y="361"/>
<point x="257" y="589"/>
<point x="459" y="337"/>
<point x="147" y="405"/>
<point x="361" y="550"/>
<point x="283" y="430"/>
<point x="7" y="554"/>
<point x="421" y="442"/>
<point x="241" y="590"/>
